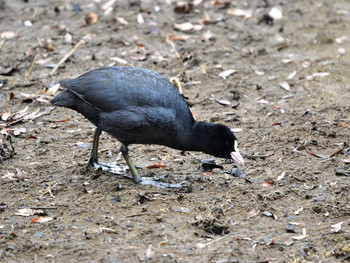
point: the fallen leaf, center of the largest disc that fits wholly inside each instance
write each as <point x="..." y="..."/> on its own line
<point x="320" y="74"/>
<point x="183" y="7"/>
<point x="276" y="12"/>
<point x="208" y="35"/>
<point x="315" y="155"/>
<point x="140" y="19"/>
<point x="279" y="178"/>
<point x="18" y="131"/>
<point x="337" y="227"/>
<point x="302" y="236"/>
<point x="239" y="12"/>
<point x="6" y="115"/>
<point x="291" y="75"/>
<point x="184" y="26"/>
<point x="157" y="165"/>
<point x="121" y="21"/>
<point x="118" y="60"/>
<point x="298" y="211"/>
<point x="41" y="219"/>
<point x="260" y="73"/>
<point x="108" y="5"/>
<point x="284" y="85"/>
<point x="91" y="18"/>
<point x="267" y="183"/>
<point x="28" y="212"/>
<point x="253" y="212"/>
<point x="336" y="151"/>
<point x="176" y="37"/>
<point x="180" y="209"/>
<point x="149" y="252"/>
<point x="21" y="175"/>
<point x="224" y="74"/>
<point x="8" y="34"/>
<point x="223" y="102"/>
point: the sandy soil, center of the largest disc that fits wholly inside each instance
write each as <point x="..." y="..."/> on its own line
<point x="289" y="95"/>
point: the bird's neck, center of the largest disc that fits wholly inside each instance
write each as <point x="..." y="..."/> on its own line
<point x="201" y="136"/>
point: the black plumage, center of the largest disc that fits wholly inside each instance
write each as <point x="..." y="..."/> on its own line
<point x="139" y="106"/>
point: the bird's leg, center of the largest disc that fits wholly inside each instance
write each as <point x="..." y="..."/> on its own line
<point x="135" y="176"/>
<point x="93" y="160"/>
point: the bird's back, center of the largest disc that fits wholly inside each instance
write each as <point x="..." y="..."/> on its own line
<point x="135" y="105"/>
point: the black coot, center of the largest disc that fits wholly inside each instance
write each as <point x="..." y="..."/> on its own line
<point x="139" y="106"/>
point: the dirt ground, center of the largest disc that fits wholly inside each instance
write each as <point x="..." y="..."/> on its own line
<point x="287" y="97"/>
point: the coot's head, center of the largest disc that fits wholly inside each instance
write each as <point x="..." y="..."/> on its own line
<point x="224" y="144"/>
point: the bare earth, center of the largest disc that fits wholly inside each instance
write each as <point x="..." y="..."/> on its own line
<point x="289" y="94"/>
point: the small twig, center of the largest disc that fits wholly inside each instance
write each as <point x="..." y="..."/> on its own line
<point x="177" y="54"/>
<point x="2" y="43"/>
<point x="66" y="56"/>
<point x="31" y="66"/>
<point x="39" y="207"/>
<point x="211" y="242"/>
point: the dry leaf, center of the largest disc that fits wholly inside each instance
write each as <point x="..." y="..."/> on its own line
<point x="28" y="212"/>
<point x="118" y="60"/>
<point x="175" y="37"/>
<point x="337" y="227"/>
<point x="8" y="34"/>
<point x="276" y="12"/>
<point x="140" y="19"/>
<point x="207" y="35"/>
<point x="260" y="73"/>
<point x="121" y="21"/>
<point x="301" y="237"/>
<point x="267" y="183"/>
<point x="6" y="115"/>
<point x="91" y="18"/>
<point x="226" y="73"/>
<point x="157" y="165"/>
<point x="223" y="102"/>
<point x="149" y="252"/>
<point x="41" y="219"/>
<point x="108" y="5"/>
<point x="298" y="211"/>
<point x="279" y="178"/>
<point x="184" y="26"/>
<point x="291" y="75"/>
<point x="253" y="212"/>
<point x="336" y="151"/>
<point x="284" y="85"/>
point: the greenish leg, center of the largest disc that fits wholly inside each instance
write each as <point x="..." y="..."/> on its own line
<point x="136" y="177"/>
<point x="94" y="151"/>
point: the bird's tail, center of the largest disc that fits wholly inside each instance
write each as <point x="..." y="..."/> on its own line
<point x="64" y="99"/>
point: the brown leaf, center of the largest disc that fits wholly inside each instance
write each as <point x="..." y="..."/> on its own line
<point x="267" y="183"/>
<point x="183" y="7"/>
<point x="91" y="18"/>
<point x="157" y="165"/>
<point x="41" y="219"/>
<point x="336" y="151"/>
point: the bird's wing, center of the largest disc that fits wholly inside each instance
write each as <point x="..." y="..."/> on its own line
<point x="115" y="88"/>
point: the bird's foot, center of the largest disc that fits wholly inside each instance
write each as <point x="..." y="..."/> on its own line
<point x="122" y="170"/>
<point x="110" y="167"/>
<point x="155" y="181"/>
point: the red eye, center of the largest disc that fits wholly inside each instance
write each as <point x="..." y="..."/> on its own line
<point x="227" y="143"/>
